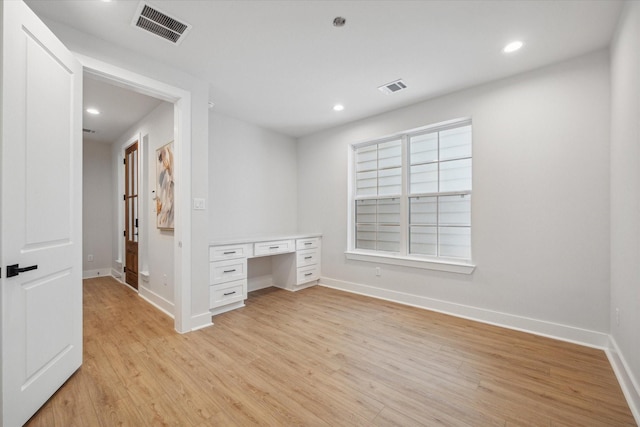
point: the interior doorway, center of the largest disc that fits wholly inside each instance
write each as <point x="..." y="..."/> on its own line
<point x="180" y="103"/>
<point x="128" y="130"/>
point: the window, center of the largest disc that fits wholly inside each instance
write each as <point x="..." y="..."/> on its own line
<point x="412" y="194"/>
<point x="378" y="193"/>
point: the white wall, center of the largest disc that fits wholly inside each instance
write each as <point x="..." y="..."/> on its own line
<point x="253" y="187"/>
<point x="97" y="208"/>
<point x="252" y="180"/>
<point x="625" y="196"/>
<point x="540" y="207"/>
<point x="156" y="256"/>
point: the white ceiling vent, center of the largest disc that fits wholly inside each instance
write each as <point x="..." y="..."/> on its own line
<point x="393" y="87"/>
<point x="159" y="23"/>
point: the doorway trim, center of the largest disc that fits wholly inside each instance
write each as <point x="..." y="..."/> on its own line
<point x="181" y="100"/>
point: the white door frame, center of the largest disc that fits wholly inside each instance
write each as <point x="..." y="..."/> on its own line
<point x="181" y="100"/>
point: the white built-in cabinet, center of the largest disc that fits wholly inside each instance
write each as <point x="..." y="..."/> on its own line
<point x="295" y="265"/>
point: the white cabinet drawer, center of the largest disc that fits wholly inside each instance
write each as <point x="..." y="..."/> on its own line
<point x="307" y="257"/>
<point x="227" y="293"/>
<point x="308" y="274"/>
<point x="226" y="271"/>
<point x="310" y="243"/>
<point x="275" y="247"/>
<point x="217" y="253"/>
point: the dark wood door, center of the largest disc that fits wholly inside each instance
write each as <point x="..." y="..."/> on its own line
<point x="131" y="214"/>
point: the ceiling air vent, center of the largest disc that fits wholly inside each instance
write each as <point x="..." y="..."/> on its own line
<point x="393" y="87"/>
<point x="151" y="19"/>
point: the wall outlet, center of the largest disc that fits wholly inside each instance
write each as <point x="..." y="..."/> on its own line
<point x="90" y="258"/>
<point x="618" y="316"/>
<point x="377" y="271"/>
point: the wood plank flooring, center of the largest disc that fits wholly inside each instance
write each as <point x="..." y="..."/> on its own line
<point x="321" y="357"/>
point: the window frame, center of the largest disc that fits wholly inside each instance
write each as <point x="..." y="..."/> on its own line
<point x="403" y="257"/>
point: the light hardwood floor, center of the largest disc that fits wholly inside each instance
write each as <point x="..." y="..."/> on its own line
<point x="321" y="357"/>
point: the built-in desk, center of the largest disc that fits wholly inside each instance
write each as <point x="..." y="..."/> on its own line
<point x="295" y="266"/>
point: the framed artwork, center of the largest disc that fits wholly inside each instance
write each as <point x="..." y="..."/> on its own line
<point x="164" y="187"/>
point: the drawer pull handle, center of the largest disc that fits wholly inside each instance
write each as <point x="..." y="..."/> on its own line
<point x="229" y="271"/>
<point x="274" y="247"/>
<point x="308" y="274"/>
<point x="229" y="252"/>
<point x="308" y="257"/>
<point x="308" y="243"/>
<point x="229" y="293"/>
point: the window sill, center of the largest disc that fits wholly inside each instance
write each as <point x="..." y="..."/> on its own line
<point x="405" y="261"/>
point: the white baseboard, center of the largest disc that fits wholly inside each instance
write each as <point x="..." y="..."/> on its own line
<point x="296" y="288"/>
<point x="156" y="300"/>
<point x="99" y="272"/>
<point x="226" y="308"/>
<point x="628" y="383"/>
<point x="200" y="321"/>
<point x="120" y="279"/>
<point x="146" y="294"/>
<point x="116" y="274"/>
<point x="572" y="334"/>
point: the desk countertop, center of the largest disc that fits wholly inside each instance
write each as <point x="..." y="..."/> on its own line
<point x="262" y="238"/>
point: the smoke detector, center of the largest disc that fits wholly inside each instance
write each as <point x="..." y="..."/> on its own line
<point x="156" y="22"/>
<point x="339" y="21"/>
<point x="393" y="87"/>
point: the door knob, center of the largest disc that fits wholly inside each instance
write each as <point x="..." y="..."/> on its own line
<point x="14" y="270"/>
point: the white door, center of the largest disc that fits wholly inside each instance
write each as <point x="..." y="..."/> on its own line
<point x="40" y="213"/>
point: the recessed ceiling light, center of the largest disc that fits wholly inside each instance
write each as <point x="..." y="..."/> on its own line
<point x="93" y="111"/>
<point x="513" y="46"/>
<point x="338" y="107"/>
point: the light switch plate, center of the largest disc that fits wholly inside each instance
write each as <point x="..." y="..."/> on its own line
<point x="198" y="204"/>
